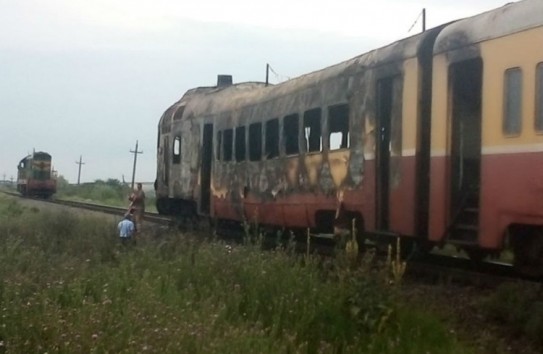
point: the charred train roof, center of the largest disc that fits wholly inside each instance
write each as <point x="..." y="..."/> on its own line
<point x="208" y="101"/>
<point x="505" y="20"/>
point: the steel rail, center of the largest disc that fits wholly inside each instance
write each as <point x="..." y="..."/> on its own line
<point x="106" y="209"/>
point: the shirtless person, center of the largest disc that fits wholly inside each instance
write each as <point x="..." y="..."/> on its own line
<point x="138" y="206"/>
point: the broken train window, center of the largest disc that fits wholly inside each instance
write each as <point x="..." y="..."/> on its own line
<point x="228" y="139"/>
<point x="272" y="138"/>
<point x="240" y="144"/>
<point x="255" y="141"/>
<point x="176" y="157"/>
<point x="290" y="132"/>
<point x="338" y="127"/>
<point x="219" y="142"/>
<point x="312" y="130"/>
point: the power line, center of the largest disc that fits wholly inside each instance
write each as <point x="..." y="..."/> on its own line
<point x="277" y="76"/>
<point x="423" y="14"/>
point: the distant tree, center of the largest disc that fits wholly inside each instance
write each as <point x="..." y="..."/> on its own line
<point x="114" y="182"/>
<point x="62" y="183"/>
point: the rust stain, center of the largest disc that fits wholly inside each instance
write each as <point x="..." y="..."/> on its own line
<point x="293" y="172"/>
<point x="313" y="166"/>
<point x="339" y="166"/>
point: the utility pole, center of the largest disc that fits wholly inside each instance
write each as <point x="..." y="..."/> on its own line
<point x="423" y="20"/>
<point x="135" y="152"/>
<point x="267" y="73"/>
<point x="423" y="15"/>
<point x="79" y="173"/>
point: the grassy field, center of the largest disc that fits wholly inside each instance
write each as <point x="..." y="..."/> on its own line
<point x="111" y="192"/>
<point x="68" y="286"/>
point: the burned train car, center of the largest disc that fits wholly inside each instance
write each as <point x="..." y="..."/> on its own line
<point x="304" y="153"/>
<point x="35" y="176"/>
<point x="423" y="139"/>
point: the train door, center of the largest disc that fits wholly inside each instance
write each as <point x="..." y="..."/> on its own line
<point x="205" y="178"/>
<point x="465" y="85"/>
<point x="383" y="138"/>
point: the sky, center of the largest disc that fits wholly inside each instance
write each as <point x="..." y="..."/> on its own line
<point x="89" y="78"/>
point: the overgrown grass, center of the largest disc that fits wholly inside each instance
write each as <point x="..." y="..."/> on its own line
<point x="111" y="192"/>
<point x="68" y="286"/>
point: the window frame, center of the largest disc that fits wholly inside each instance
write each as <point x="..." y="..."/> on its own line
<point x="176" y="150"/>
<point x="331" y="122"/>
<point x="240" y="145"/>
<point x="308" y="114"/>
<point x="218" y="152"/>
<point x="228" y="136"/>
<point x="267" y="140"/>
<point x="538" y="104"/>
<point x="512" y="103"/>
<point x="291" y="121"/>
<point x="255" y="138"/>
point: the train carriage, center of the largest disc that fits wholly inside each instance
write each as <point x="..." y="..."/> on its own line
<point x="302" y="153"/>
<point x="435" y="138"/>
<point x="487" y="125"/>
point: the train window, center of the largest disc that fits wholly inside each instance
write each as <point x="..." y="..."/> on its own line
<point x="176" y="157"/>
<point x="240" y="144"/>
<point x="312" y="130"/>
<point x="338" y="127"/>
<point x="512" y="109"/>
<point x="290" y="132"/>
<point x="228" y="139"/>
<point x="272" y="138"/>
<point x="219" y="141"/>
<point x="255" y="141"/>
<point x="539" y="98"/>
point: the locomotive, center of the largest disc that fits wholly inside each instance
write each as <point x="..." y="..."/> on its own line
<point x="35" y="176"/>
<point x="436" y="138"/>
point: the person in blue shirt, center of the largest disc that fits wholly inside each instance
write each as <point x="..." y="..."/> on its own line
<point x="126" y="229"/>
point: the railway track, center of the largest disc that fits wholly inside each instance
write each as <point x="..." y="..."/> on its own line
<point x="149" y="217"/>
<point x="449" y="270"/>
<point x="430" y="267"/>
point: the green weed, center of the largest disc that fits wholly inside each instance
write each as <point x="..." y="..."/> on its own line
<point x="68" y="286"/>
